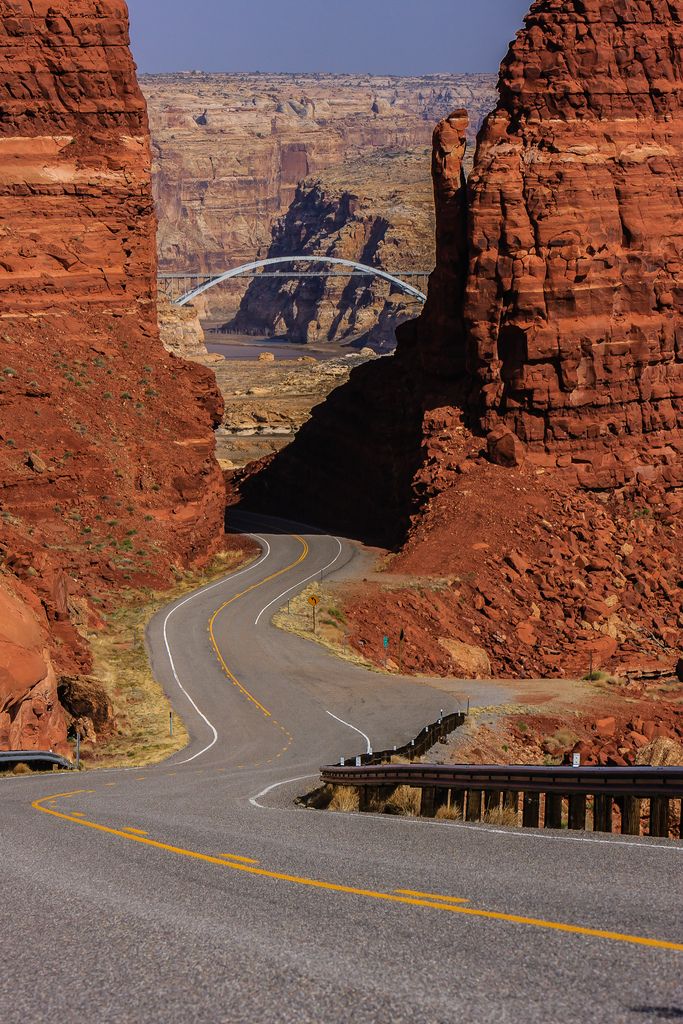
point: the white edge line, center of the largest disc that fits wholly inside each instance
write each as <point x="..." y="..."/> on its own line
<point x="298" y="586"/>
<point x="516" y="833"/>
<point x="359" y="731"/>
<point x="254" y="800"/>
<point x="199" y="593"/>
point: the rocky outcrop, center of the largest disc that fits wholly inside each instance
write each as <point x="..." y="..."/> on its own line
<point x="107" y="470"/>
<point x="231" y="150"/>
<point x="378" y="212"/>
<point x="181" y="330"/>
<point x="574" y="303"/>
<point x="31" y="717"/>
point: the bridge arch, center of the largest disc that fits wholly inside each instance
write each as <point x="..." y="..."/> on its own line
<point x="247" y="268"/>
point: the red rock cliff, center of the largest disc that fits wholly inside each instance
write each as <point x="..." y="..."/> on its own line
<point x="107" y="474"/>
<point x="555" y="309"/>
<point x="574" y="298"/>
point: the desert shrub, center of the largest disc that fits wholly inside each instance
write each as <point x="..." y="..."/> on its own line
<point x="507" y="816"/>
<point x="405" y="800"/>
<point x="451" y="813"/>
<point x="344" y="798"/>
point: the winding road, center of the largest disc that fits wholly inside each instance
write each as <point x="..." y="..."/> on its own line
<point x="197" y="891"/>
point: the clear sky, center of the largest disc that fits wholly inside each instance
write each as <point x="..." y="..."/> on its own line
<point x="400" y="37"/>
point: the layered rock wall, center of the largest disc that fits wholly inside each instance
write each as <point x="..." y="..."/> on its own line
<point x="574" y="300"/>
<point x="107" y="469"/>
<point x="554" y="315"/>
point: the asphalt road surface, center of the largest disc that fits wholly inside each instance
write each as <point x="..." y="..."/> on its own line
<point x="197" y="891"/>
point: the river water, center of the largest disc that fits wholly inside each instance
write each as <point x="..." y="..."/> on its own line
<point x="238" y="347"/>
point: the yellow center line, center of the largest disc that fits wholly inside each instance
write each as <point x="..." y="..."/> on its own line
<point x="243" y="860"/>
<point x="314" y="883"/>
<point x="212" y="621"/>
<point x="135" y="831"/>
<point x="431" y="895"/>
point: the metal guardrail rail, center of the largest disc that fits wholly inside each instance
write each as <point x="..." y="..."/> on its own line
<point x="643" y="781"/>
<point x="539" y="792"/>
<point x="46" y="758"/>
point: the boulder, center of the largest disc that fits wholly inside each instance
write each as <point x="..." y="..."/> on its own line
<point x="505" y="448"/>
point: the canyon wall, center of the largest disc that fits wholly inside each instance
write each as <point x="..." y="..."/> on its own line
<point x="525" y="443"/>
<point x="380" y="446"/>
<point x="574" y="300"/>
<point x="107" y="469"/>
<point x="378" y="211"/>
<point x="230" y="151"/>
<point x="554" y="316"/>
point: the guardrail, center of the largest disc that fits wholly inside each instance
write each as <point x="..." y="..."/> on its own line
<point x="423" y="742"/>
<point x="554" y="795"/>
<point x="45" y="758"/>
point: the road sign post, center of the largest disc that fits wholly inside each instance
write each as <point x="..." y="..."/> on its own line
<point x="314" y="602"/>
<point x="401" y="638"/>
<point x="170" y="723"/>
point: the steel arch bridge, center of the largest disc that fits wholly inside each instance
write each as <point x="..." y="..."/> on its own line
<point x="251" y="268"/>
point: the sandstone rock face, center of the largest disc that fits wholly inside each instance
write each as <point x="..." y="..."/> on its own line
<point x="231" y="150"/>
<point x="551" y="347"/>
<point x="107" y="470"/>
<point x="574" y="303"/>
<point x="181" y="330"/>
<point x="377" y="211"/>
<point x="31" y="717"/>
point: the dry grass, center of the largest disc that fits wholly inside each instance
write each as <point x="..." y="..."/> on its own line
<point x="507" y="816"/>
<point x="405" y="800"/>
<point x="344" y="798"/>
<point x="446" y="813"/>
<point x="141" y="707"/>
<point x="21" y="769"/>
<point x="331" y="630"/>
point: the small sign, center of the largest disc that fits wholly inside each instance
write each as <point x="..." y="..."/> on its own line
<point x="358" y="762"/>
<point x="576" y="760"/>
<point x="386" y="642"/>
<point x="313" y="600"/>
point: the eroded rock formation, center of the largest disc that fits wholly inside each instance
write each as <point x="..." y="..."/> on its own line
<point x="107" y="470"/>
<point x="574" y="299"/>
<point x="549" y="355"/>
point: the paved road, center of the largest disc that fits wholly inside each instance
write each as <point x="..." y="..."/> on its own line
<point x="178" y="894"/>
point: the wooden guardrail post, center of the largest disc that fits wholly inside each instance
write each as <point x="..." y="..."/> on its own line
<point x="511" y="802"/>
<point x="458" y="802"/>
<point x="630" y="815"/>
<point x="602" y="812"/>
<point x="552" y="817"/>
<point x="428" y="802"/>
<point x="474" y="805"/>
<point x="659" y="816"/>
<point x="492" y="800"/>
<point x="531" y="811"/>
<point x="440" y="798"/>
<point x="577" y="811"/>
